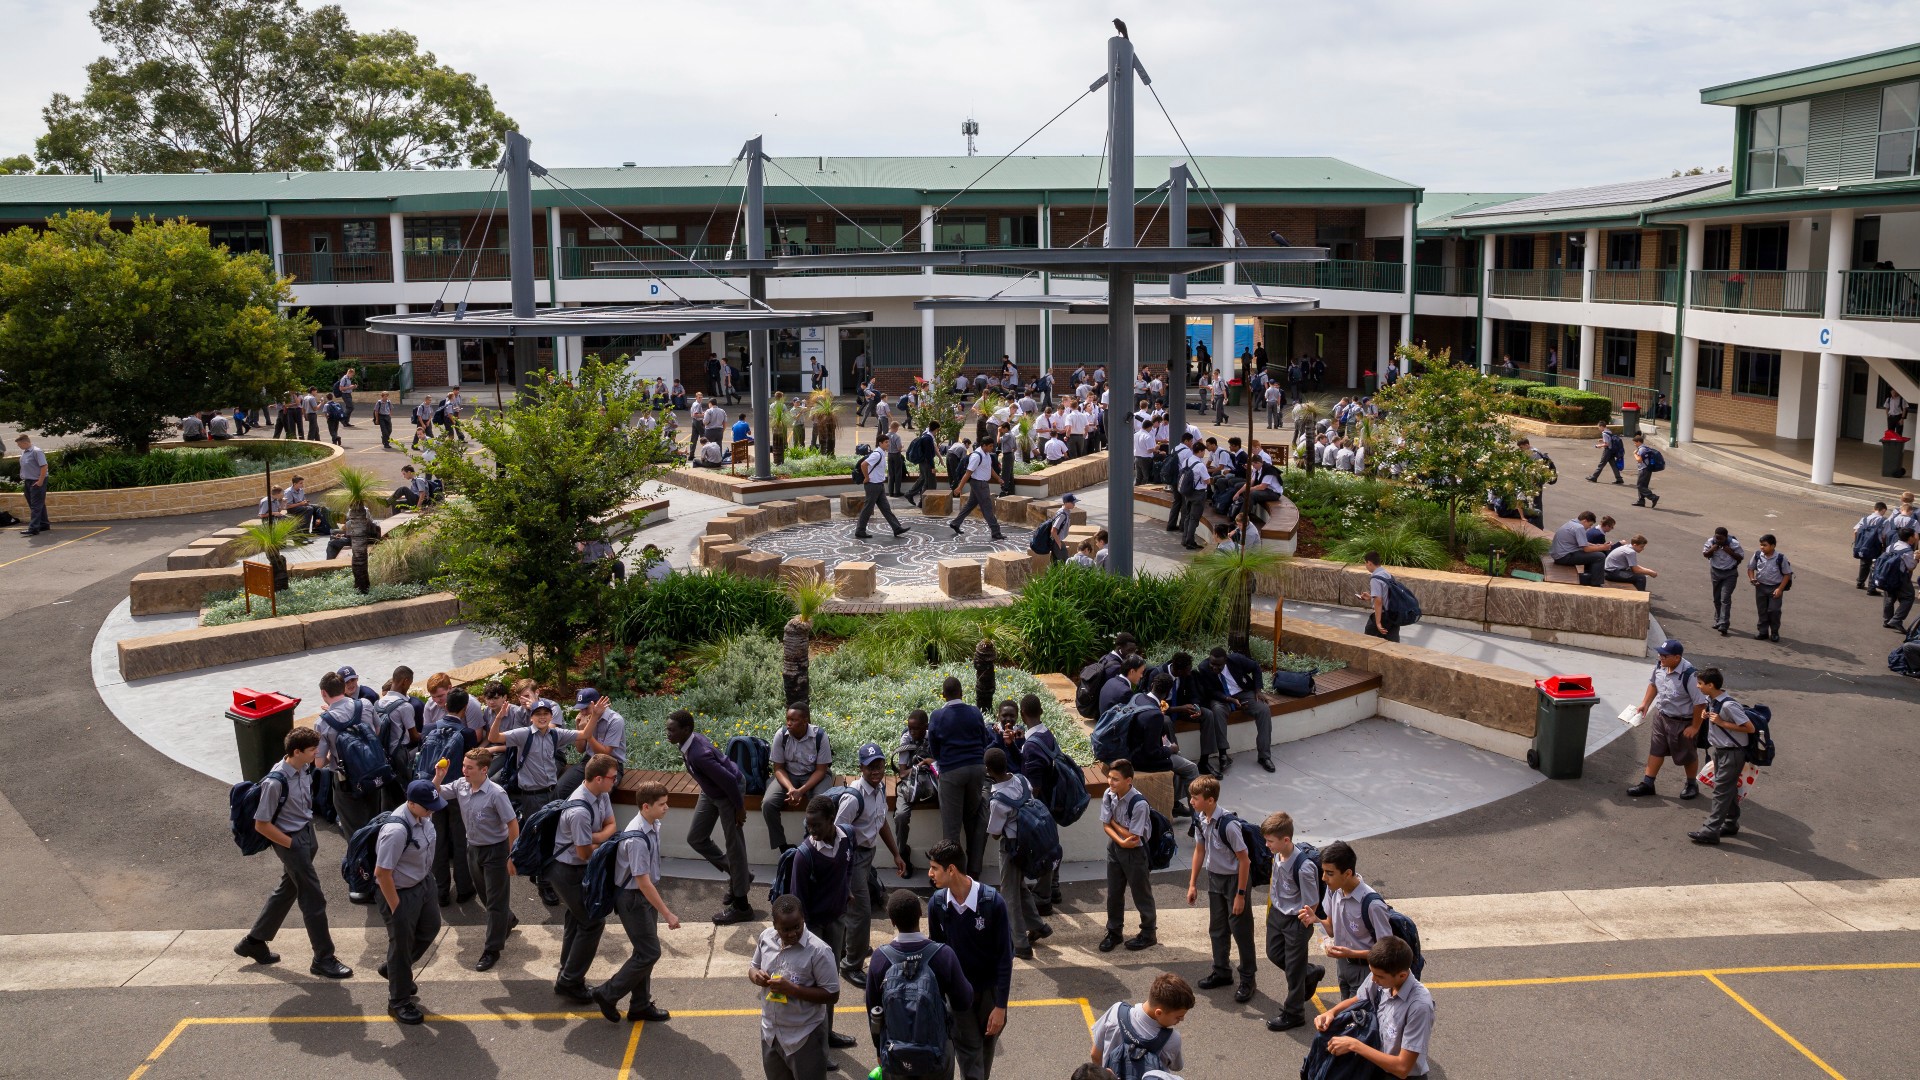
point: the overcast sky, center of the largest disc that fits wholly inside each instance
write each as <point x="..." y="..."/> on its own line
<point x="1474" y="95"/>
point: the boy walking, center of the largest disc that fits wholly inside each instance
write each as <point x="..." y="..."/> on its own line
<point x="492" y="827"/>
<point x="863" y="812"/>
<point x="798" y="989"/>
<point x="823" y="880"/>
<point x="904" y="911"/>
<point x="1729" y="733"/>
<point x="581" y="829"/>
<point x="1291" y="898"/>
<point x="1353" y="925"/>
<point x="636" y="900"/>
<point x="722" y="801"/>
<point x="1137" y="1040"/>
<point x="1222" y="852"/>
<point x="970" y="917"/>
<point x="1127" y="819"/>
<point x="403" y="872"/>
<point x="285" y="817"/>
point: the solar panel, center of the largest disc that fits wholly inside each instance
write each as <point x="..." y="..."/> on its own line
<point x="1633" y="191"/>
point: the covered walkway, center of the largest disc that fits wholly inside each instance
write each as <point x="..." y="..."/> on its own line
<point x="1786" y="463"/>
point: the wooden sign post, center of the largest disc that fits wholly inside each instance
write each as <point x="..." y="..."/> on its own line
<point x="256" y="579"/>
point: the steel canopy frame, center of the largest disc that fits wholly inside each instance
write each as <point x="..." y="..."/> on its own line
<point x="1138" y="260"/>
<point x="608" y="321"/>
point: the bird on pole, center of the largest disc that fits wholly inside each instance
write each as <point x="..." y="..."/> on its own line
<point x="1122" y="27"/>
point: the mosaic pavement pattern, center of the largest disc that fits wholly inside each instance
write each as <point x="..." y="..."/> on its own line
<point x="911" y="559"/>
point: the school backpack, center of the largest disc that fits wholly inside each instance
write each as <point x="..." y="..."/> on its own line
<point x="915" y="453"/>
<point x="1309" y="855"/>
<point x="913" y="1015"/>
<point x="749" y="754"/>
<point x="447" y="739"/>
<point x="1293" y="683"/>
<point x="787" y="871"/>
<point x="1760" y="743"/>
<point x="1656" y="461"/>
<point x="1133" y="1055"/>
<point x="1905" y="657"/>
<point x="1171" y="469"/>
<point x="1113" y="732"/>
<point x="1259" y="870"/>
<point x="1162" y="845"/>
<point x="356" y="866"/>
<point x="364" y="761"/>
<point x="1402" y="927"/>
<point x="1042" y="541"/>
<point x="598" y="887"/>
<point x="243" y="801"/>
<point x="1402" y="607"/>
<point x="840" y="791"/>
<point x="1870" y="541"/>
<point x="1358" y="1022"/>
<point x="1094" y="677"/>
<point x="1036" y="841"/>
<point x="1069" y="799"/>
<point x="533" y="852"/>
<point x="1887" y="569"/>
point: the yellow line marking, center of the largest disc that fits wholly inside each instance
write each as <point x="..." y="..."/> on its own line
<point x="1557" y="980"/>
<point x="1776" y="1028"/>
<point x="633" y="1044"/>
<point x="158" y="1050"/>
<point x="1086" y="1010"/>
<point x="56" y="547"/>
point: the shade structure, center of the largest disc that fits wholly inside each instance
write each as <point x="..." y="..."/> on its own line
<point x="1144" y="305"/>
<point x="613" y="321"/>
<point x="1073" y="260"/>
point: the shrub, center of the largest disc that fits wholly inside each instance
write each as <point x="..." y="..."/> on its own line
<point x="303" y="596"/>
<point x="1593" y="408"/>
<point x="411" y="554"/>
<point x="1056" y="632"/>
<point x="1552" y="412"/>
<point x="738" y="675"/>
<point x="636" y="670"/>
<point x="691" y="608"/>
<point x="1400" y="543"/>
<point x="1518" y="547"/>
<point x="1516" y="387"/>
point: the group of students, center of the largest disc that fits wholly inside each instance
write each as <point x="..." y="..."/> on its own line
<point x="1688" y="710"/>
<point x="1240" y="484"/>
<point x="1883" y="542"/>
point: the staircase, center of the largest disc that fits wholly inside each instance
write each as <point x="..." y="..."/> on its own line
<point x="661" y="363"/>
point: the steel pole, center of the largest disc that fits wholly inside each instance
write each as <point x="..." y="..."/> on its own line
<point x="520" y="249"/>
<point x="1177" y="288"/>
<point x="1122" y="333"/>
<point x="759" y="367"/>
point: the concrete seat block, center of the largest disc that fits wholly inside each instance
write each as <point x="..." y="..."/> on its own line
<point x="814" y="507"/>
<point x="854" y="580"/>
<point x="850" y="504"/>
<point x="1011" y="507"/>
<point x="937" y="503"/>
<point x="730" y="527"/>
<point x="326" y="629"/>
<point x="190" y="558"/>
<point x="1008" y="570"/>
<point x="782" y="514"/>
<point x="803" y="571"/>
<point x="210" y="646"/>
<point x="960" y="578"/>
<point x="725" y="557"/>
<point x="753" y="518"/>
<point x="758" y="564"/>
<point x="179" y="590"/>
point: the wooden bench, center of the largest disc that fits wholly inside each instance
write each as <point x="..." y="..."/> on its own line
<point x="1549" y="570"/>
<point x="1283" y="518"/>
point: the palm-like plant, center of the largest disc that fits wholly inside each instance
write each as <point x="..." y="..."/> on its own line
<point x="820" y="410"/>
<point x="1224" y="583"/>
<point x="780" y="419"/>
<point x="272" y="538"/>
<point x="1306" y="412"/>
<point x="353" y="490"/>
<point x="796" y="642"/>
<point x="1023" y="431"/>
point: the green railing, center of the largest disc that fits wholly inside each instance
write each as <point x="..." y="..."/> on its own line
<point x="1883" y="294"/>
<point x="342" y="268"/>
<point x="1635" y="286"/>
<point x="478" y="264"/>
<point x="1351" y="274"/>
<point x="1446" y="280"/>
<point x="578" y="262"/>
<point x="984" y="270"/>
<point x="1764" y="292"/>
<point x="1535" y="284"/>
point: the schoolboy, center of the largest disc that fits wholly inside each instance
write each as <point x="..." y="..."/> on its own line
<point x="863" y="811"/>
<point x="1125" y="1026"/>
<point x="1127" y="819"/>
<point x="1729" y="732"/>
<point x="1023" y="914"/>
<point x="1402" y="1009"/>
<point x="1291" y="898"/>
<point x="285" y="817"/>
<point x="403" y="872"/>
<point x="917" y="784"/>
<point x="823" y="880"/>
<point x="581" y="829"/>
<point x="637" y="901"/>
<point x="722" y="802"/>
<point x="492" y="827"/>
<point x="1353" y="925"/>
<point x="1222" y="852"/>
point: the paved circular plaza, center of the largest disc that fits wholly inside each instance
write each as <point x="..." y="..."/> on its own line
<point x="912" y="558"/>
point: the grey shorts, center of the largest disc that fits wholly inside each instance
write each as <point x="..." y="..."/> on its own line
<point x="1670" y="739"/>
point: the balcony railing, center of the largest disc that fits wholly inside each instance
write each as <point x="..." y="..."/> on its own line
<point x="1883" y="294"/>
<point x="337" y="268"/>
<point x="578" y="262"/>
<point x="1329" y="274"/>
<point x="1445" y="280"/>
<point x="988" y="271"/>
<point x="477" y="264"/>
<point x="1764" y="292"/>
<point x="1635" y="286"/>
<point x="1535" y="284"/>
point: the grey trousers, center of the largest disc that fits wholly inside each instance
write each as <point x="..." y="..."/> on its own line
<point x="1352" y="974"/>
<point x="1767" y="607"/>
<point x="642" y="924"/>
<point x="773" y="811"/>
<point x="1724" y="582"/>
<point x="706" y="814"/>
<point x="580" y="937"/>
<point x="856" y="926"/>
<point x="1287" y="941"/>
<point x="1728" y="763"/>
<point x="963" y="806"/>
<point x="353" y="810"/>
<point x="834" y="935"/>
<point x="410" y="933"/>
<point x="1255" y="706"/>
<point x="808" y="1061"/>
<point x="36" y="506"/>
<point x="450" y="852"/>
<point x="1194" y="511"/>
<point x="1225" y="929"/>
<point x="876" y="498"/>
<point x="980" y="494"/>
<point x="1897" y="602"/>
<point x="1643" y="485"/>
<point x="1023" y="911"/>
<point x="1127" y="873"/>
<point x="972" y="1046"/>
<point x="488" y="865"/>
<point x="1213" y="730"/>
<point x="298" y="882"/>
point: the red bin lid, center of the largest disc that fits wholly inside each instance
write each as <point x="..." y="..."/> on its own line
<point x="253" y="703"/>
<point x="1566" y="686"/>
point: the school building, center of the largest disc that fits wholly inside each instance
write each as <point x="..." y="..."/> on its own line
<point x="1768" y="310"/>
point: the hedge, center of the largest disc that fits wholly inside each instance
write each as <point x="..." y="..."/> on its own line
<point x="1590" y="408"/>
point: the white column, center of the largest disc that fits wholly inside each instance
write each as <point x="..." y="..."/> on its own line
<point x="1012" y="333"/>
<point x="1410" y="223"/>
<point x="279" y="245"/>
<point x="1383" y="342"/>
<point x="929" y="356"/>
<point x="1793" y="391"/>
<point x="1587" y="336"/>
<point x="1223" y="350"/>
<point x="453" y="362"/>
<point x="1826" y="408"/>
<point x="397" y="241"/>
<point x="403" y="343"/>
<point x="1353" y="350"/>
<point x="1228" y="238"/>
<point x="553" y="243"/>
<point x="1690" y="344"/>
<point x="1486" y="324"/>
<point x="1589" y="262"/>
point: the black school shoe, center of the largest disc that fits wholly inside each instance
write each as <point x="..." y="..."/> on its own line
<point x="1285" y="1022"/>
<point x="609" y="1008"/>
<point x="256" y="950"/>
<point x="1110" y="942"/>
<point x="840" y="1041"/>
<point x="407" y="1013"/>
<point x="1692" y="790"/>
<point x="1644" y="787"/>
<point x="649" y="1012"/>
<point x="1214" y="981"/>
<point x="330" y="968"/>
<point x="1143" y="940"/>
<point x="1704" y="836"/>
<point x="1244" y="992"/>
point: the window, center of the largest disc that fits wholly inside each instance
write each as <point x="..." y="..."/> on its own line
<point x="1718" y="249"/>
<point x="665" y="234"/>
<point x="954" y="230"/>
<point x="610" y="233"/>
<point x="432" y="234"/>
<point x="1712" y="359"/>
<point x="1777" y="146"/>
<point x="362" y="237"/>
<point x="1763" y="247"/>
<point x="1756" y="373"/>
<point x="239" y="236"/>
<point x="867" y="233"/>
<point x="1899" y="119"/>
<point x="1518" y="338"/>
<point x="1020" y="230"/>
<point x="1617" y="351"/>
<point x="1623" y="251"/>
<point x="1516" y="252"/>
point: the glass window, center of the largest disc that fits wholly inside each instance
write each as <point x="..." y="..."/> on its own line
<point x="1619" y="347"/>
<point x="613" y="233"/>
<point x="240" y="237"/>
<point x="1766" y="128"/>
<point x="432" y="234"/>
<point x="1793" y="124"/>
<point x="1763" y="247"/>
<point x="1756" y="373"/>
<point x="1020" y="230"/>
<point x="868" y="233"/>
<point x="958" y="231"/>
<point x="1719" y="249"/>
<point x="1712" y="359"/>
<point x="1777" y="146"/>
<point x="666" y="234"/>
<point x="362" y="237"/>
<point x="1899" y="118"/>
<point x="1895" y="156"/>
<point x="1623" y="251"/>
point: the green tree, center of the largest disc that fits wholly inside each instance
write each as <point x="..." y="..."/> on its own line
<point x="400" y="108"/>
<point x="1443" y="428"/>
<point x="550" y="471"/>
<point x="939" y="404"/>
<point x="18" y="163"/>
<point x="116" y="333"/>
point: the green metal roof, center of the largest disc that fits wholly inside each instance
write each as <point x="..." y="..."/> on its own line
<point x="1876" y="67"/>
<point x="1435" y="205"/>
<point x="1588" y="208"/>
<point x="1723" y="203"/>
<point x="846" y="181"/>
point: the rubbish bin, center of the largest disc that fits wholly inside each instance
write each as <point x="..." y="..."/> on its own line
<point x="1235" y="390"/>
<point x="1560" y="725"/>
<point x="1369" y="383"/>
<point x="1629" y="419"/>
<point x="1893" y="448"/>
<point x="260" y="726"/>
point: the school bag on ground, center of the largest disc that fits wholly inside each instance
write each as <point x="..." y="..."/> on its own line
<point x="363" y="760"/>
<point x="749" y="754"/>
<point x="243" y="801"/>
<point x="356" y="866"/>
<point x="1259" y="870"/>
<point x="1133" y="1055"/>
<point x="533" y="852"/>
<point x="600" y="884"/>
<point x="913" y="1016"/>
<point x="1036" y="841"/>
<point x="1402" y="927"/>
<point x="1321" y="1063"/>
<point x="1402" y="607"/>
<point x="1113" y="734"/>
<point x="1069" y="799"/>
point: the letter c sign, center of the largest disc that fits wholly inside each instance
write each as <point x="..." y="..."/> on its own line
<point x="1826" y="336"/>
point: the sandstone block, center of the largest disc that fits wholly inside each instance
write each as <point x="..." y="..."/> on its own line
<point x="754" y="519"/>
<point x="190" y="558"/>
<point x="730" y="527"/>
<point x="418" y="614"/>
<point x="318" y="567"/>
<point x="937" y="504"/>
<point x="725" y="557"/>
<point x="803" y="571"/>
<point x="781" y="514"/>
<point x="1008" y="570"/>
<point x="814" y="507"/>
<point x="1011" y="507"/>
<point x="851" y="503"/>
<point x="854" y="580"/>
<point x="1158" y="788"/>
<point x="210" y="646"/>
<point x="703" y="548"/>
<point x="1037" y="565"/>
<point x="179" y="590"/>
<point x="758" y="564"/>
<point x="960" y="578"/>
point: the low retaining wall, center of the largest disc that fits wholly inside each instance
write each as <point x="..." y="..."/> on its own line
<point x="1541" y="429"/>
<point x="1607" y="620"/>
<point x="211" y="646"/>
<point x="164" y="591"/>
<point x="122" y="504"/>
<point x="738" y="487"/>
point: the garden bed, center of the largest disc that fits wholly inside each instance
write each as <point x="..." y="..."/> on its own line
<point x="304" y="596"/>
<point x="1343" y="516"/>
<point x="318" y="463"/>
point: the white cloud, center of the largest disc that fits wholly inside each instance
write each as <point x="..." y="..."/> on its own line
<point x="1472" y="94"/>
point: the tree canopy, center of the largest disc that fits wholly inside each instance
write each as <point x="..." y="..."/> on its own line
<point x="262" y="85"/>
<point x="115" y="333"/>
<point x="18" y="163"/>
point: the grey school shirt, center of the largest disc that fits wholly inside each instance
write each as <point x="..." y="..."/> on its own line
<point x="866" y="814"/>
<point x="1132" y="813"/>
<point x="1770" y="570"/>
<point x="406" y="848"/>
<point x="612" y="730"/>
<point x="808" y="963"/>
<point x="639" y="854"/>
<point x="1730" y="711"/>
<point x="539" y="754"/>
<point x="286" y="798"/>
<point x="1675" y="692"/>
<point x="578" y="825"/>
<point x="1000" y="817"/>
<point x="1567" y="539"/>
<point x="1222" y="844"/>
<point x="799" y="757"/>
<point x="1349" y="929"/>
<point x="1406" y="1018"/>
<point x="485" y="810"/>
<point x="1106" y="1033"/>
<point x="1295" y="885"/>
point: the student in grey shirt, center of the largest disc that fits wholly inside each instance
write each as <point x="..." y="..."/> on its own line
<point x="1674" y="708"/>
<point x="795" y="972"/>
<point x="1009" y="790"/>
<point x="1729" y="731"/>
<point x="799" y="760"/>
<point x="285" y="817"/>
<point x="604" y="732"/>
<point x="403" y="870"/>
<point x="1724" y="554"/>
<point x="492" y="827"/>
<point x="864" y="811"/>
<point x="1570" y="548"/>
<point x="1353" y="925"/>
<point x="33" y="483"/>
<point x="538" y="747"/>
<point x="1127" y="819"/>
<point x="1771" y="575"/>
<point x="581" y="829"/>
<point x="637" y="901"/>
<point x="1402" y="1008"/>
<point x="1291" y="898"/>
